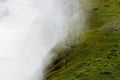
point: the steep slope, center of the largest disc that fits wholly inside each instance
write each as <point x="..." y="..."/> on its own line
<point x="97" y="57"/>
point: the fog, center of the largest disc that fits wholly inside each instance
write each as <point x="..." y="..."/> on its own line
<point x="28" y="30"/>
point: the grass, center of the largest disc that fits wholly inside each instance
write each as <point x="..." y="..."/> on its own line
<point x="98" y="56"/>
<point x="103" y="11"/>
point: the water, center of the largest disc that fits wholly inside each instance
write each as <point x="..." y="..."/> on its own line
<point x="28" y="30"/>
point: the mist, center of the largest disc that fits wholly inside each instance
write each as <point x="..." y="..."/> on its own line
<point x="28" y="30"/>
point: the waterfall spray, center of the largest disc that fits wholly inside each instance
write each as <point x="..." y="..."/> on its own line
<point x="28" y="30"/>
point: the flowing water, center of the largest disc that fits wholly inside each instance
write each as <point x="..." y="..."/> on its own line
<point x="28" y="30"/>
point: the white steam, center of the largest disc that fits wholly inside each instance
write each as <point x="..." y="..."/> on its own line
<point x="28" y="30"/>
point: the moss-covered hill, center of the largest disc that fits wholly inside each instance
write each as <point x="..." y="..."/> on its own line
<point x="97" y="57"/>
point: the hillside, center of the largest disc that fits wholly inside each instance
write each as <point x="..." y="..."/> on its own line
<point x="97" y="57"/>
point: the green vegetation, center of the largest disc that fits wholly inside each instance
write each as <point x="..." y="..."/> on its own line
<point x="103" y="11"/>
<point x="97" y="57"/>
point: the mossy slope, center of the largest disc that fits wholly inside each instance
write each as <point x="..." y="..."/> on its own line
<point x="98" y="56"/>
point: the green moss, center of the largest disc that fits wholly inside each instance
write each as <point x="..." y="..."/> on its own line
<point x="98" y="56"/>
<point x="103" y="11"/>
<point x="94" y="59"/>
